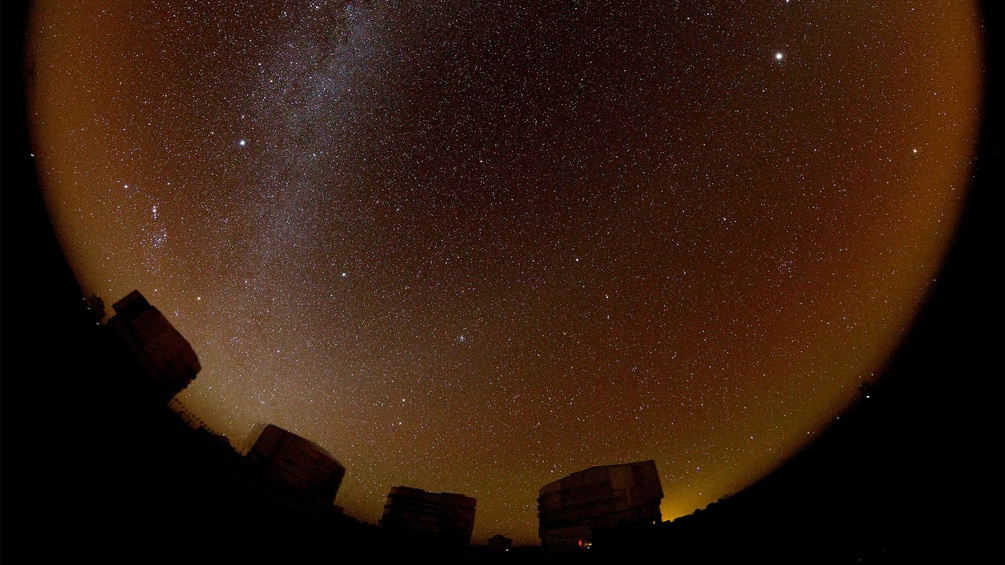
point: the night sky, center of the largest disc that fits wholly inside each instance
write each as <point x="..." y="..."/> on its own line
<point x="477" y="248"/>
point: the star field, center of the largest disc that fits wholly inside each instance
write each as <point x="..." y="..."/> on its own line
<point x="476" y="247"/>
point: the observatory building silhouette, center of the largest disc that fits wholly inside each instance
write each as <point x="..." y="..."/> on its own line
<point x="295" y="467"/>
<point x="440" y="518"/>
<point x="157" y="351"/>
<point x="573" y="509"/>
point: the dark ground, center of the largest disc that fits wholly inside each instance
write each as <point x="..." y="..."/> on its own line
<point x="914" y="473"/>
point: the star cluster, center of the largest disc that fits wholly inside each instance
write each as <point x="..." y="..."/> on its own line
<point x="474" y="247"/>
